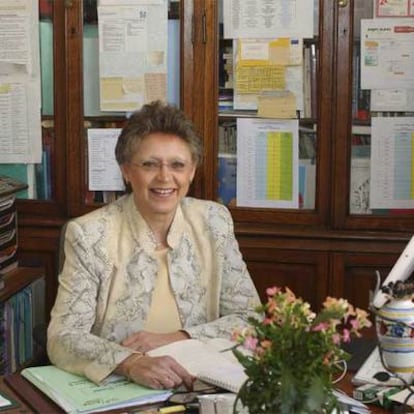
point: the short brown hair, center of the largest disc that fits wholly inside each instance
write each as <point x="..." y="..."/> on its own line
<point x="156" y="117"/>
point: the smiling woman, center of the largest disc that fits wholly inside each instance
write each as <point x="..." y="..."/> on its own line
<point x="151" y="268"/>
<point x="160" y="175"/>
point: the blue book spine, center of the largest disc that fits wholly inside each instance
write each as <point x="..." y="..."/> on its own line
<point x="227" y="178"/>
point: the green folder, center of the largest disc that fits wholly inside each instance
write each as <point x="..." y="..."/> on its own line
<point x="77" y="394"/>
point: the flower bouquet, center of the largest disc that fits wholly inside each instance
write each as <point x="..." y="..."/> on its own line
<point x="295" y="354"/>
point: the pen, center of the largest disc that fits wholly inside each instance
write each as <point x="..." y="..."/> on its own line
<point x="172" y="409"/>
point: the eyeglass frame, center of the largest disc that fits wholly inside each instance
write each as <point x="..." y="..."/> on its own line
<point x="153" y="165"/>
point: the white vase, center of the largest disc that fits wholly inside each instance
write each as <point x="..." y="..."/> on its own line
<point x="395" y="330"/>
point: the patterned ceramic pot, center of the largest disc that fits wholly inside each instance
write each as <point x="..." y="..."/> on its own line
<point x="395" y="330"/>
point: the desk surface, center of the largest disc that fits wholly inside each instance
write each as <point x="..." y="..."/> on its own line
<point x="22" y="407"/>
<point x="41" y="404"/>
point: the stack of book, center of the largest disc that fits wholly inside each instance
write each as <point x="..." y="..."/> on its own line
<point x="16" y="346"/>
<point x="8" y="222"/>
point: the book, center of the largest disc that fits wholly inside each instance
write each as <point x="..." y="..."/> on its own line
<point x="212" y="361"/>
<point x="78" y="395"/>
<point x="226" y="178"/>
<point x="10" y="185"/>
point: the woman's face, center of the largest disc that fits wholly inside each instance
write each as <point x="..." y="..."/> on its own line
<point x="160" y="174"/>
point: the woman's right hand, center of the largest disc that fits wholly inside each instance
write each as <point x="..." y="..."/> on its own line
<point x="162" y="372"/>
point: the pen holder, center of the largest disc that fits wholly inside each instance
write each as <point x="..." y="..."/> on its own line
<point x="222" y="403"/>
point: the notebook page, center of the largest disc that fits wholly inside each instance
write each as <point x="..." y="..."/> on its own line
<point x="204" y="361"/>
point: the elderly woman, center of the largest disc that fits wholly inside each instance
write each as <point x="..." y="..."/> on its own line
<point x="151" y="268"/>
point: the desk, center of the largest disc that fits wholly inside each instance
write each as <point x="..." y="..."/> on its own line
<point x="36" y="402"/>
<point x="22" y="408"/>
<point x="346" y="386"/>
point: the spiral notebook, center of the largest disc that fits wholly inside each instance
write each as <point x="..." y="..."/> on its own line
<point x="211" y="361"/>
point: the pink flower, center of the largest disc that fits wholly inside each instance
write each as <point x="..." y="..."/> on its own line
<point x="287" y="327"/>
<point x="322" y="326"/>
<point x="355" y="324"/>
<point x="346" y="335"/>
<point x="336" y="338"/>
<point x="250" y="343"/>
<point x="272" y="291"/>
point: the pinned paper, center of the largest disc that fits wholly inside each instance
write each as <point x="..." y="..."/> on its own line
<point x="277" y="104"/>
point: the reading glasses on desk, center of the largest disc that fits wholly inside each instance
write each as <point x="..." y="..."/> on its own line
<point x="190" y="398"/>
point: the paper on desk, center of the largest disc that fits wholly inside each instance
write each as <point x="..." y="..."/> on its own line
<point x="350" y="404"/>
<point x="401" y="397"/>
<point x="4" y="402"/>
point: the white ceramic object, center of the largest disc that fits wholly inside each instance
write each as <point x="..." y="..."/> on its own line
<point x="395" y="331"/>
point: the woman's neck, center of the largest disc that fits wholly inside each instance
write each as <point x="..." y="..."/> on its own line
<point x="159" y="226"/>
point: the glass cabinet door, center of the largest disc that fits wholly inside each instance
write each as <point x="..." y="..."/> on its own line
<point x="271" y="98"/>
<point x="375" y="101"/>
<point x="94" y="106"/>
<point x="41" y="28"/>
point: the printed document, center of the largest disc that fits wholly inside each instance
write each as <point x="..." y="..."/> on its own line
<point x="387" y="53"/>
<point x="392" y="163"/>
<point x="398" y="100"/>
<point x="267" y="163"/>
<point x="394" y="8"/>
<point x="255" y="18"/>
<point x="132" y="54"/>
<point x="262" y="65"/>
<point x="104" y="172"/>
<point x="20" y="97"/>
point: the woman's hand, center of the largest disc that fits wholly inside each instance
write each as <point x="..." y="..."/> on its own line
<point x="145" y="341"/>
<point x="155" y="372"/>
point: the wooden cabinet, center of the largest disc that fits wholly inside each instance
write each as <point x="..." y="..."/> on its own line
<point x="316" y="251"/>
<point x="328" y="249"/>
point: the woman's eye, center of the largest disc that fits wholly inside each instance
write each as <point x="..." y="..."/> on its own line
<point x="152" y="165"/>
<point x="177" y="165"/>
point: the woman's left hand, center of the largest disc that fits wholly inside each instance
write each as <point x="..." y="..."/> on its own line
<point x="144" y="341"/>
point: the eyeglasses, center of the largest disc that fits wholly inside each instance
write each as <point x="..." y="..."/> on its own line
<point x="156" y="165"/>
<point x="181" y="396"/>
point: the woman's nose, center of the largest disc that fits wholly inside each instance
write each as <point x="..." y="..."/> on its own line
<point x="164" y="171"/>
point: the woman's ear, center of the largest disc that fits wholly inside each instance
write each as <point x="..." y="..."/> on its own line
<point x="125" y="173"/>
<point x="192" y="174"/>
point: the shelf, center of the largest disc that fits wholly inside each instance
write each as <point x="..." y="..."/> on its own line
<point x="19" y="278"/>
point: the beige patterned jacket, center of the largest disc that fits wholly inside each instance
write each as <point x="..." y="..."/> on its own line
<point x="106" y="284"/>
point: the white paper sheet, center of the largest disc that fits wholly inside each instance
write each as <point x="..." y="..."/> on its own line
<point x="397" y="100"/>
<point x="387" y="53"/>
<point x="265" y="19"/>
<point x="20" y="97"/>
<point x="252" y="59"/>
<point x="132" y="54"/>
<point x="267" y="163"/>
<point x="394" y="8"/>
<point x="359" y="191"/>
<point x="392" y="163"/>
<point x="104" y="172"/>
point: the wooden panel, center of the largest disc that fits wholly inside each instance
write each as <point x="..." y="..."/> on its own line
<point x="305" y="273"/>
<point x="354" y="275"/>
<point x="38" y="246"/>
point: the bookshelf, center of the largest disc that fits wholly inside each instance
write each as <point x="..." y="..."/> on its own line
<point x="22" y="307"/>
<point x="327" y="245"/>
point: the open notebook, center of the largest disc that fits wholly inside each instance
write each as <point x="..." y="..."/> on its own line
<point x="212" y="361"/>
